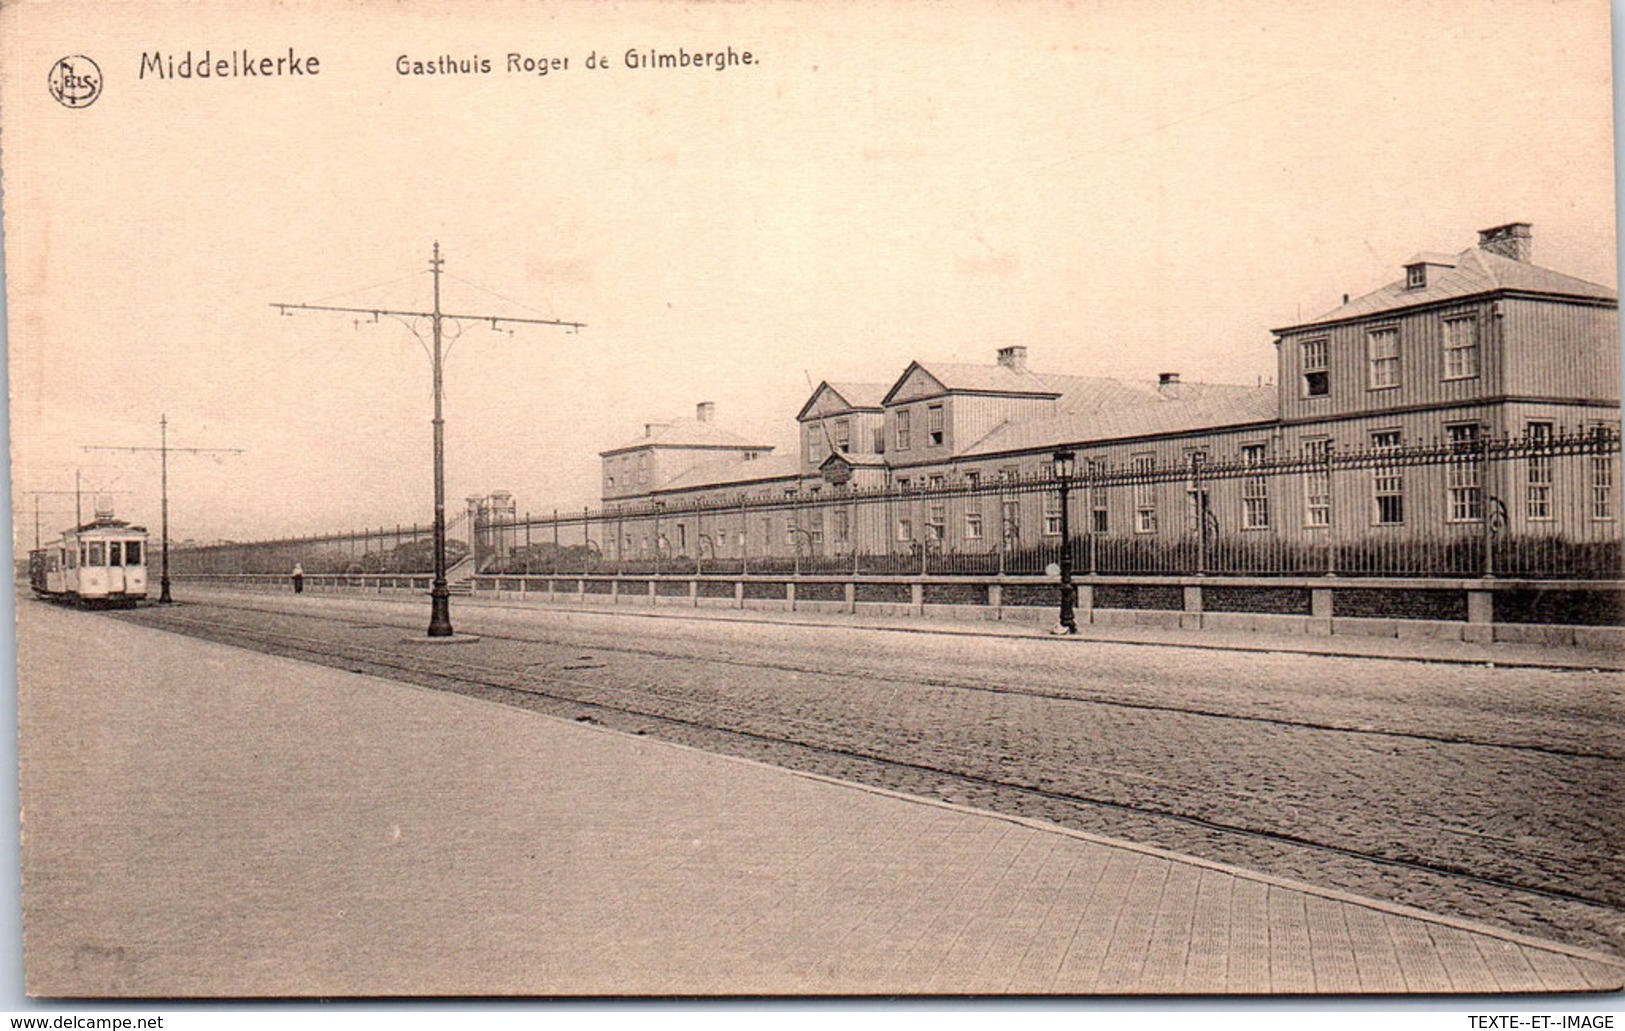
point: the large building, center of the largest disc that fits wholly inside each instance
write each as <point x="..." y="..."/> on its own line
<point x="1459" y="350"/>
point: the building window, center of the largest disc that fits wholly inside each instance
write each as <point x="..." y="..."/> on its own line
<point x="973" y="479"/>
<point x="813" y="451"/>
<point x="1538" y="478"/>
<point x="643" y="467"/>
<point x="1052" y="514"/>
<point x="1461" y="348"/>
<point x="682" y="539"/>
<point x="973" y="521"/>
<point x="880" y="440"/>
<point x="905" y="528"/>
<point x="1098" y="519"/>
<point x="1382" y="353"/>
<point x="1602" y="487"/>
<point x="903" y="429"/>
<point x="1388" y="482"/>
<point x="1465" y="493"/>
<point x="1010" y="519"/>
<point x="1145" y="494"/>
<point x="936" y="516"/>
<point x="815" y="529"/>
<point x="843" y="525"/>
<point x="1317" y="483"/>
<point x="1316" y="377"/>
<point x="1416" y="276"/>
<point x="1255" y="493"/>
<point x="843" y="436"/>
<point x="933" y="425"/>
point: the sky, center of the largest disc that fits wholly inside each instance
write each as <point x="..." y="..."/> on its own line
<point x="1124" y="188"/>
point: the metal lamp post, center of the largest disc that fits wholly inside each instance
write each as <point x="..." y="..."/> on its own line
<point x="1065" y="464"/>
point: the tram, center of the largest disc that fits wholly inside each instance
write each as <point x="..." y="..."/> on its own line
<point x="99" y="563"/>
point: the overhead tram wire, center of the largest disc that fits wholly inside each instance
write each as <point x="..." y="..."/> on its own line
<point x="440" y="593"/>
<point x="163" y="450"/>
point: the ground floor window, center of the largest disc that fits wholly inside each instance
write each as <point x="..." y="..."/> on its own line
<point x="1388" y="482"/>
<point x="1538" y="474"/>
<point x="1317" y="484"/>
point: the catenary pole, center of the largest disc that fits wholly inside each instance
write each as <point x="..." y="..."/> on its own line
<point x="163" y="450"/>
<point x="439" y="592"/>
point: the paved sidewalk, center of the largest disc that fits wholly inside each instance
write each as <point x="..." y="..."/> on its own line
<point x="1347" y="646"/>
<point x="201" y="820"/>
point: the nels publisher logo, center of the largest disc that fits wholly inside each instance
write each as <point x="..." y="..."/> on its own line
<point x="76" y="81"/>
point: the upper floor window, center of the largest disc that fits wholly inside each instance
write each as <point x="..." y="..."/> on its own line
<point x="813" y="451"/>
<point x="933" y="425"/>
<point x="1460" y="348"/>
<point x="843" y="435"/>
<point x="1316" y="377"/>
<point x="903" y="421"/>
<point x="1416" y="276"/>
<point x="1382" y="354"/>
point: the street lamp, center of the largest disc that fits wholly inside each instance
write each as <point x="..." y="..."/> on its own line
<point x="1065" y="464"/>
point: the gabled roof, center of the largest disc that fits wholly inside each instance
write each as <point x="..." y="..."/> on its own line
<point x="855" y="461"/>
<point x="852" y="397"/>
<point x="1198" y="406"/>
<point x="980" y="379"/>
<point x="725" y="471"/>
<point x="685" y="433"/>
<point x="1475" y="271"/>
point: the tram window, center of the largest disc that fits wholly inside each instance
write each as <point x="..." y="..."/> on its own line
<point x="132" y="553"/>
<point x="115" y="553"/>
<point x="97" y="555"/>
<point x="82" y="561"/>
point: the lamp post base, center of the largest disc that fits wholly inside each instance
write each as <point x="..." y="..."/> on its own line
<point x="440" y="611"/>
<point x="163" y="592"/>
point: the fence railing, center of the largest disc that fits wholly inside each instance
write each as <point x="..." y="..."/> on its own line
<point x="1535" y="506"/>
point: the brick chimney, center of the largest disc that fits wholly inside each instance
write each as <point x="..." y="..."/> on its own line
<point x="705" y="411"/>
<point x="1168" y="384"/>
<point x="1515" y="240"/>
<point x="1013" y="358"/>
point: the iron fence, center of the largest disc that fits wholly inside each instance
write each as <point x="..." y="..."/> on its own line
<point x="1535" y="506"/>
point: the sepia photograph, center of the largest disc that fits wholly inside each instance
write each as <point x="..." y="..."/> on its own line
<point x="668" y="500"/>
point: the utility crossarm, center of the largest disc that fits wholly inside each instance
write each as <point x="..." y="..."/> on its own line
<point x="286" y="309"/>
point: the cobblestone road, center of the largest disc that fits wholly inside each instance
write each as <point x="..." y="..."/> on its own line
<point x="1487" y="793"/>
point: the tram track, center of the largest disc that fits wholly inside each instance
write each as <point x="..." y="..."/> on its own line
<point x="617" y="703"/>
<point x="990" y="687"/>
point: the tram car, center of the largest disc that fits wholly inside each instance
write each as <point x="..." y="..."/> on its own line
<point x="100" y="563"/>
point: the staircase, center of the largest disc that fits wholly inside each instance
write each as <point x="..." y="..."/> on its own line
<point x="460" y="578"/>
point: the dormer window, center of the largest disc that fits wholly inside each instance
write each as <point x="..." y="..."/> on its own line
<point x="1416" y="276"/>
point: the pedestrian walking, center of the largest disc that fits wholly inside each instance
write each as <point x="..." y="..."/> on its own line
<point x="298" y="578"/>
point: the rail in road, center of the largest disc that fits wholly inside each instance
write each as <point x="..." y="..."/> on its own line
<point x="1486" y="794"/>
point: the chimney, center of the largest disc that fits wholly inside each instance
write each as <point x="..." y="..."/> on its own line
<point x="1168" y="384"/>
<point x="705" y="411"/>
<point x="1515" y="240"/>
<point x="1013" y="358"/>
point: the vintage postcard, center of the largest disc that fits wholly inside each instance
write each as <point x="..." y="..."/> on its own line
<point x="658" y="499"/>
